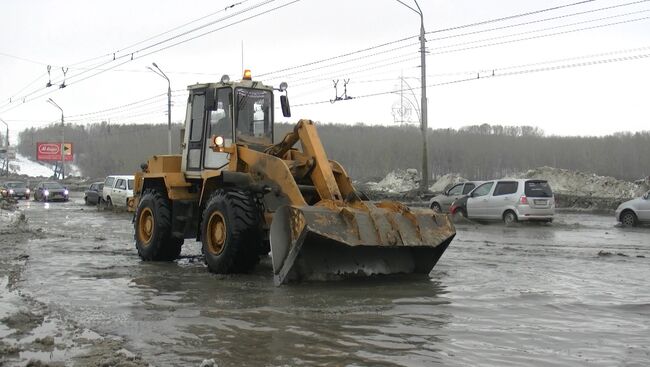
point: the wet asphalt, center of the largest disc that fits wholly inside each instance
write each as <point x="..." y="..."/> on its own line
<point x="571" y="293"/>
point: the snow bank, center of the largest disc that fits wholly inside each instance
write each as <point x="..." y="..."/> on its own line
<point x="397" y="181"/>
<point x="25" y="166"/>
<point x="584" y="184"/>
<point x="446" y="181"/>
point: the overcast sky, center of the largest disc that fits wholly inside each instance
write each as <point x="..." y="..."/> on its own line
<point x="567" y="73"/>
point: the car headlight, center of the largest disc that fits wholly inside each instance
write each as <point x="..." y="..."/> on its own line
<point x="27" y="191"/>
<point x="65" y="192"/>
<point x="11" y="191"/>
<point x="46" y="193"/>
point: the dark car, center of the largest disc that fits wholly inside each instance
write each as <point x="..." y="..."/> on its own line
<point x="17" y="189"/>
<point x="459" y="206"/>
<point x="94" y="193"/>
<point x="49" y="191"/>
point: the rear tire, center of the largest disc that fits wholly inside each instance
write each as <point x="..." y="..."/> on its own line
<point x="153" y="225"/>
<point x="509" y="217"/>
<point x="230" y="233"/>
<point x="628" y="218"/>
<point x="461" y="212"/>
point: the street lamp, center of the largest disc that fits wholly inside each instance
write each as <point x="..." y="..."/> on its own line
<point x="6" y="146"/>
<point x="424" y="183"/>
<point x="169" y="105"/>
<point x="51" y="101"/>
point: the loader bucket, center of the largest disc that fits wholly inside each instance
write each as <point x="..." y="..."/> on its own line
<point x="321" y="243"/>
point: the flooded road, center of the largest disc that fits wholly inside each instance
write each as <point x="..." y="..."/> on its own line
<point x="572" y="293"/>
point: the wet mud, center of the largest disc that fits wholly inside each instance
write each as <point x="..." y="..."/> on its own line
<point x="74" y="292"/>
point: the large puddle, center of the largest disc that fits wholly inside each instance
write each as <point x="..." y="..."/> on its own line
<point x="572" y="293"/>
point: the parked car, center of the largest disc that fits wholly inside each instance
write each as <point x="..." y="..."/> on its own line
<point x="117" y="190"/>
<point x="635" y="211"/>
<point x="442" y="202"/>
<point x="49" y="191"/>
<point x="94" y="193"/>
<point x="508" y="200"/>
<point x="17" y="189"/>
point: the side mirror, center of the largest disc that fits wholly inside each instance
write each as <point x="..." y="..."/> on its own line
<point x="286" y="109"/>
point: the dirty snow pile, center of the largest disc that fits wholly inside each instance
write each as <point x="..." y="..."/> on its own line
<point x="398" y="181"/>
<point x="584" y="184"/>
<point x="22" y="165"/>
<point x="446" y="181"/>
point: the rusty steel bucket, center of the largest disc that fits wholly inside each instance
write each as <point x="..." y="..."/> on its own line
<point x="321" y="243"/>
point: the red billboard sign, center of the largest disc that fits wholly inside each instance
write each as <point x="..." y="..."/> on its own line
<point x="52" y="151"/>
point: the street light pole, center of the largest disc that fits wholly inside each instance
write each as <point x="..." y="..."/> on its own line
<point x="424" y="183"/>
<point x="6" y="147"/>
<point x="169" y="105"/>
<point x="51" y="101"/>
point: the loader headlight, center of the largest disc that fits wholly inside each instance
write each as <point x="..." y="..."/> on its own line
<point x="225" y="78"/>
<point x="218" y="141"/>
<point x="283" y="86"/>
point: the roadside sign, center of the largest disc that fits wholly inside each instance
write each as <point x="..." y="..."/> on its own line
<point x="52" y="151"/>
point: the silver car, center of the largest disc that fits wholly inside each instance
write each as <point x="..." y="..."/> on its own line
<point x="635" y="211"/>
<point x="512" y="201"/>
<point x="441" y="203"/>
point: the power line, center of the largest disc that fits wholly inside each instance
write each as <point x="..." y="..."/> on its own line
<point x="509" y="17"/>
<point x="497" y="75"/>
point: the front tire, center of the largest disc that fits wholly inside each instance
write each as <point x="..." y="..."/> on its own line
<point x="436" y="207"/>
<point x="230" y="233"/>
<point x="153" y="224"/>
<point x="628" y="219"/>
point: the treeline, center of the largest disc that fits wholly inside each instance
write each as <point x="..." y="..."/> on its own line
<point x="370" y="152"/>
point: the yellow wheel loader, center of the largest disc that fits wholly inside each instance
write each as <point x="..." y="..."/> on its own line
<point x="242" y="196"/>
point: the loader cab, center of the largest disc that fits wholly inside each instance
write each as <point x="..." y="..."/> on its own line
<point x="239" y="112"/>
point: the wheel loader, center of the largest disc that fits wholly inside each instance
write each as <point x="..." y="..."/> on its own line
<point x="242" y="196"/>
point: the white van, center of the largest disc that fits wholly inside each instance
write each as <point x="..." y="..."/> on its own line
<point x="512" y="201"/>
<point x="117" y="190"/>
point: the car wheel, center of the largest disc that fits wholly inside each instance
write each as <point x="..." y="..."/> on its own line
<point x="436" y="207"/>
<point x="461" y="212"/>
<point x="86" y="200"/>
<point x="509" y="217"/>
<point x="628" y="218"/>
<point x="109" y="203"/>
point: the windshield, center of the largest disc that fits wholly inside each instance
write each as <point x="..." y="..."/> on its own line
<point x="253" y="117"/>
<point x="52" y="185"/>
<point x="16" y="185"/>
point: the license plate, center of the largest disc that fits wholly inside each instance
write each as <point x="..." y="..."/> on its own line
<point x="541" y="202"/>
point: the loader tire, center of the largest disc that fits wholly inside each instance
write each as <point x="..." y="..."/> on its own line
<point x="230" y="232"/>
<point x="153" y="224"/>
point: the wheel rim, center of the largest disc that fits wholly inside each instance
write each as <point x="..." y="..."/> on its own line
<point x="628" y="219"/>
<point x="216" y="236"/>
<point x="146" y="225"/>
<point x="509" y="218"/>
<point x="436" y="208"/>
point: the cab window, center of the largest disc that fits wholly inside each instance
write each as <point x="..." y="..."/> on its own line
<point x="505" y="188"/>
<point x="253" y="116"/>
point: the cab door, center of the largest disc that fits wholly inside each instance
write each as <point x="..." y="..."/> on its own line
<point x="219" y="123"/>
<point x="194" y="138"/>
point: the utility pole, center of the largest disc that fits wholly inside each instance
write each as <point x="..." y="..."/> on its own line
<point x="51" y="101"/>
<point x="169" y="105"/>
<point x="424" y="182"/>
<point x="6" y="147"/>
<point x="401" y="98"/>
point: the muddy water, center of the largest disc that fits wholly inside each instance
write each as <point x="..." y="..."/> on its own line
<point x="573" y="293"/>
